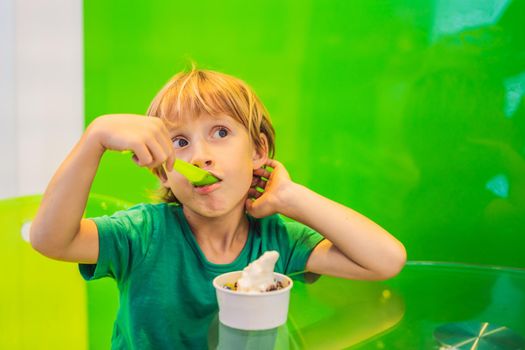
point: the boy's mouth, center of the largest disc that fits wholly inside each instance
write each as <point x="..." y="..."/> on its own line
<point x="201" y="186"/>
<point x="207" y="188"/>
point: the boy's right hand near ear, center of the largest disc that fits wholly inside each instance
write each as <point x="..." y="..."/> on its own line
<point x="58" y="230"/>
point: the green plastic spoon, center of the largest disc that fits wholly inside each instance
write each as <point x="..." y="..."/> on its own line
<point x="195" y="175"/>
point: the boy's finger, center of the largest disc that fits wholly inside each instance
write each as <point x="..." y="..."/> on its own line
<point x="249" y="206"/>
<point x="170" y="161"/>
<point x="253" y="193"/>
<point x="167" y="146"/>
<point x="142" y="155"/>
<point x="164" y="140"/>
<point x="272" y="163"/>
<point x="159" y="155"/>
<point x="261" y="183"/>
<point x="262" y="172"/>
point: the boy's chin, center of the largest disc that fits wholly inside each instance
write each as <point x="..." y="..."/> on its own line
<point x="213" y="211"/>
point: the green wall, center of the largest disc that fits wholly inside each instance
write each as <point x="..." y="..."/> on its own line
<point x="410" y="112"/>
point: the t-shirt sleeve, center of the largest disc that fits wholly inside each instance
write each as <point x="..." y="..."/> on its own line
<point x="296" y="244"/>
<point x="124" y="239"/>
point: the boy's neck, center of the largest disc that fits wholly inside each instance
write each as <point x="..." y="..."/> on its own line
<point x="221" y="239"/>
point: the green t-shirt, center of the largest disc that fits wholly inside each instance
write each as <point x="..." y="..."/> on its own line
<point x="167" y="299"/>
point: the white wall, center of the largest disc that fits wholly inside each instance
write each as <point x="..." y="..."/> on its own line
<point x="41" y="90"/>
<point x="8" y="153"/>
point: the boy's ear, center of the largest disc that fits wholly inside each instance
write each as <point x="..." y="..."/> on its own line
<point x="160" y="173"/>
<point x="260" y="155"/>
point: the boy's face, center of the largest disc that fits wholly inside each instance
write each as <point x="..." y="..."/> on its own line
<point x="222" y="146"/>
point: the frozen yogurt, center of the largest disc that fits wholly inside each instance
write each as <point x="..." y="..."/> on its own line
<point x="258" y="276"/>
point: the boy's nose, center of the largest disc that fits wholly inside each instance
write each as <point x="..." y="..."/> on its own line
<point x="203" y="163"/>
<point x="201" y="156"/>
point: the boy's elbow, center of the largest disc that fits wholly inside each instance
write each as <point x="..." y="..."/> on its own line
<point x="47" y="251"/>
<point x="395" y="264"/>
<point x="38" y="241"/>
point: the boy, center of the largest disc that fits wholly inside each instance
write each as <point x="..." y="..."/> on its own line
<point x="164" y="256"/>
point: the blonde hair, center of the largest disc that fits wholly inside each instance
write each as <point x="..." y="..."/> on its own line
<point x="199" y="92"/>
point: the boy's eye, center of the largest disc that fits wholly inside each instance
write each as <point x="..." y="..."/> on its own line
<point x="221" y="133"/>
<point x="179" y="143"/>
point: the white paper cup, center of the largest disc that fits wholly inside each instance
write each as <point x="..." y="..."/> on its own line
<point x="252" y="311"/>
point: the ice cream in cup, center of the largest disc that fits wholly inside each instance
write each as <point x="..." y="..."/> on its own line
<point x="256" y="298"/>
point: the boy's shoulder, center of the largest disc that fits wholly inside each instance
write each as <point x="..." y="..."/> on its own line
<point x="151" y="207"/>
<point x="275" y="224"/>
<point x="141" y="211"/>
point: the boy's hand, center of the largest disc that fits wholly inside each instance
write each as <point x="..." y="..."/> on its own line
<point x="147" y="137"/>
<point x="275" y="184"/>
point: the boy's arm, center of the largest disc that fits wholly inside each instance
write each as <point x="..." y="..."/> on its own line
<point x="58" y="230"/>
<point x="355" y="247"/>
